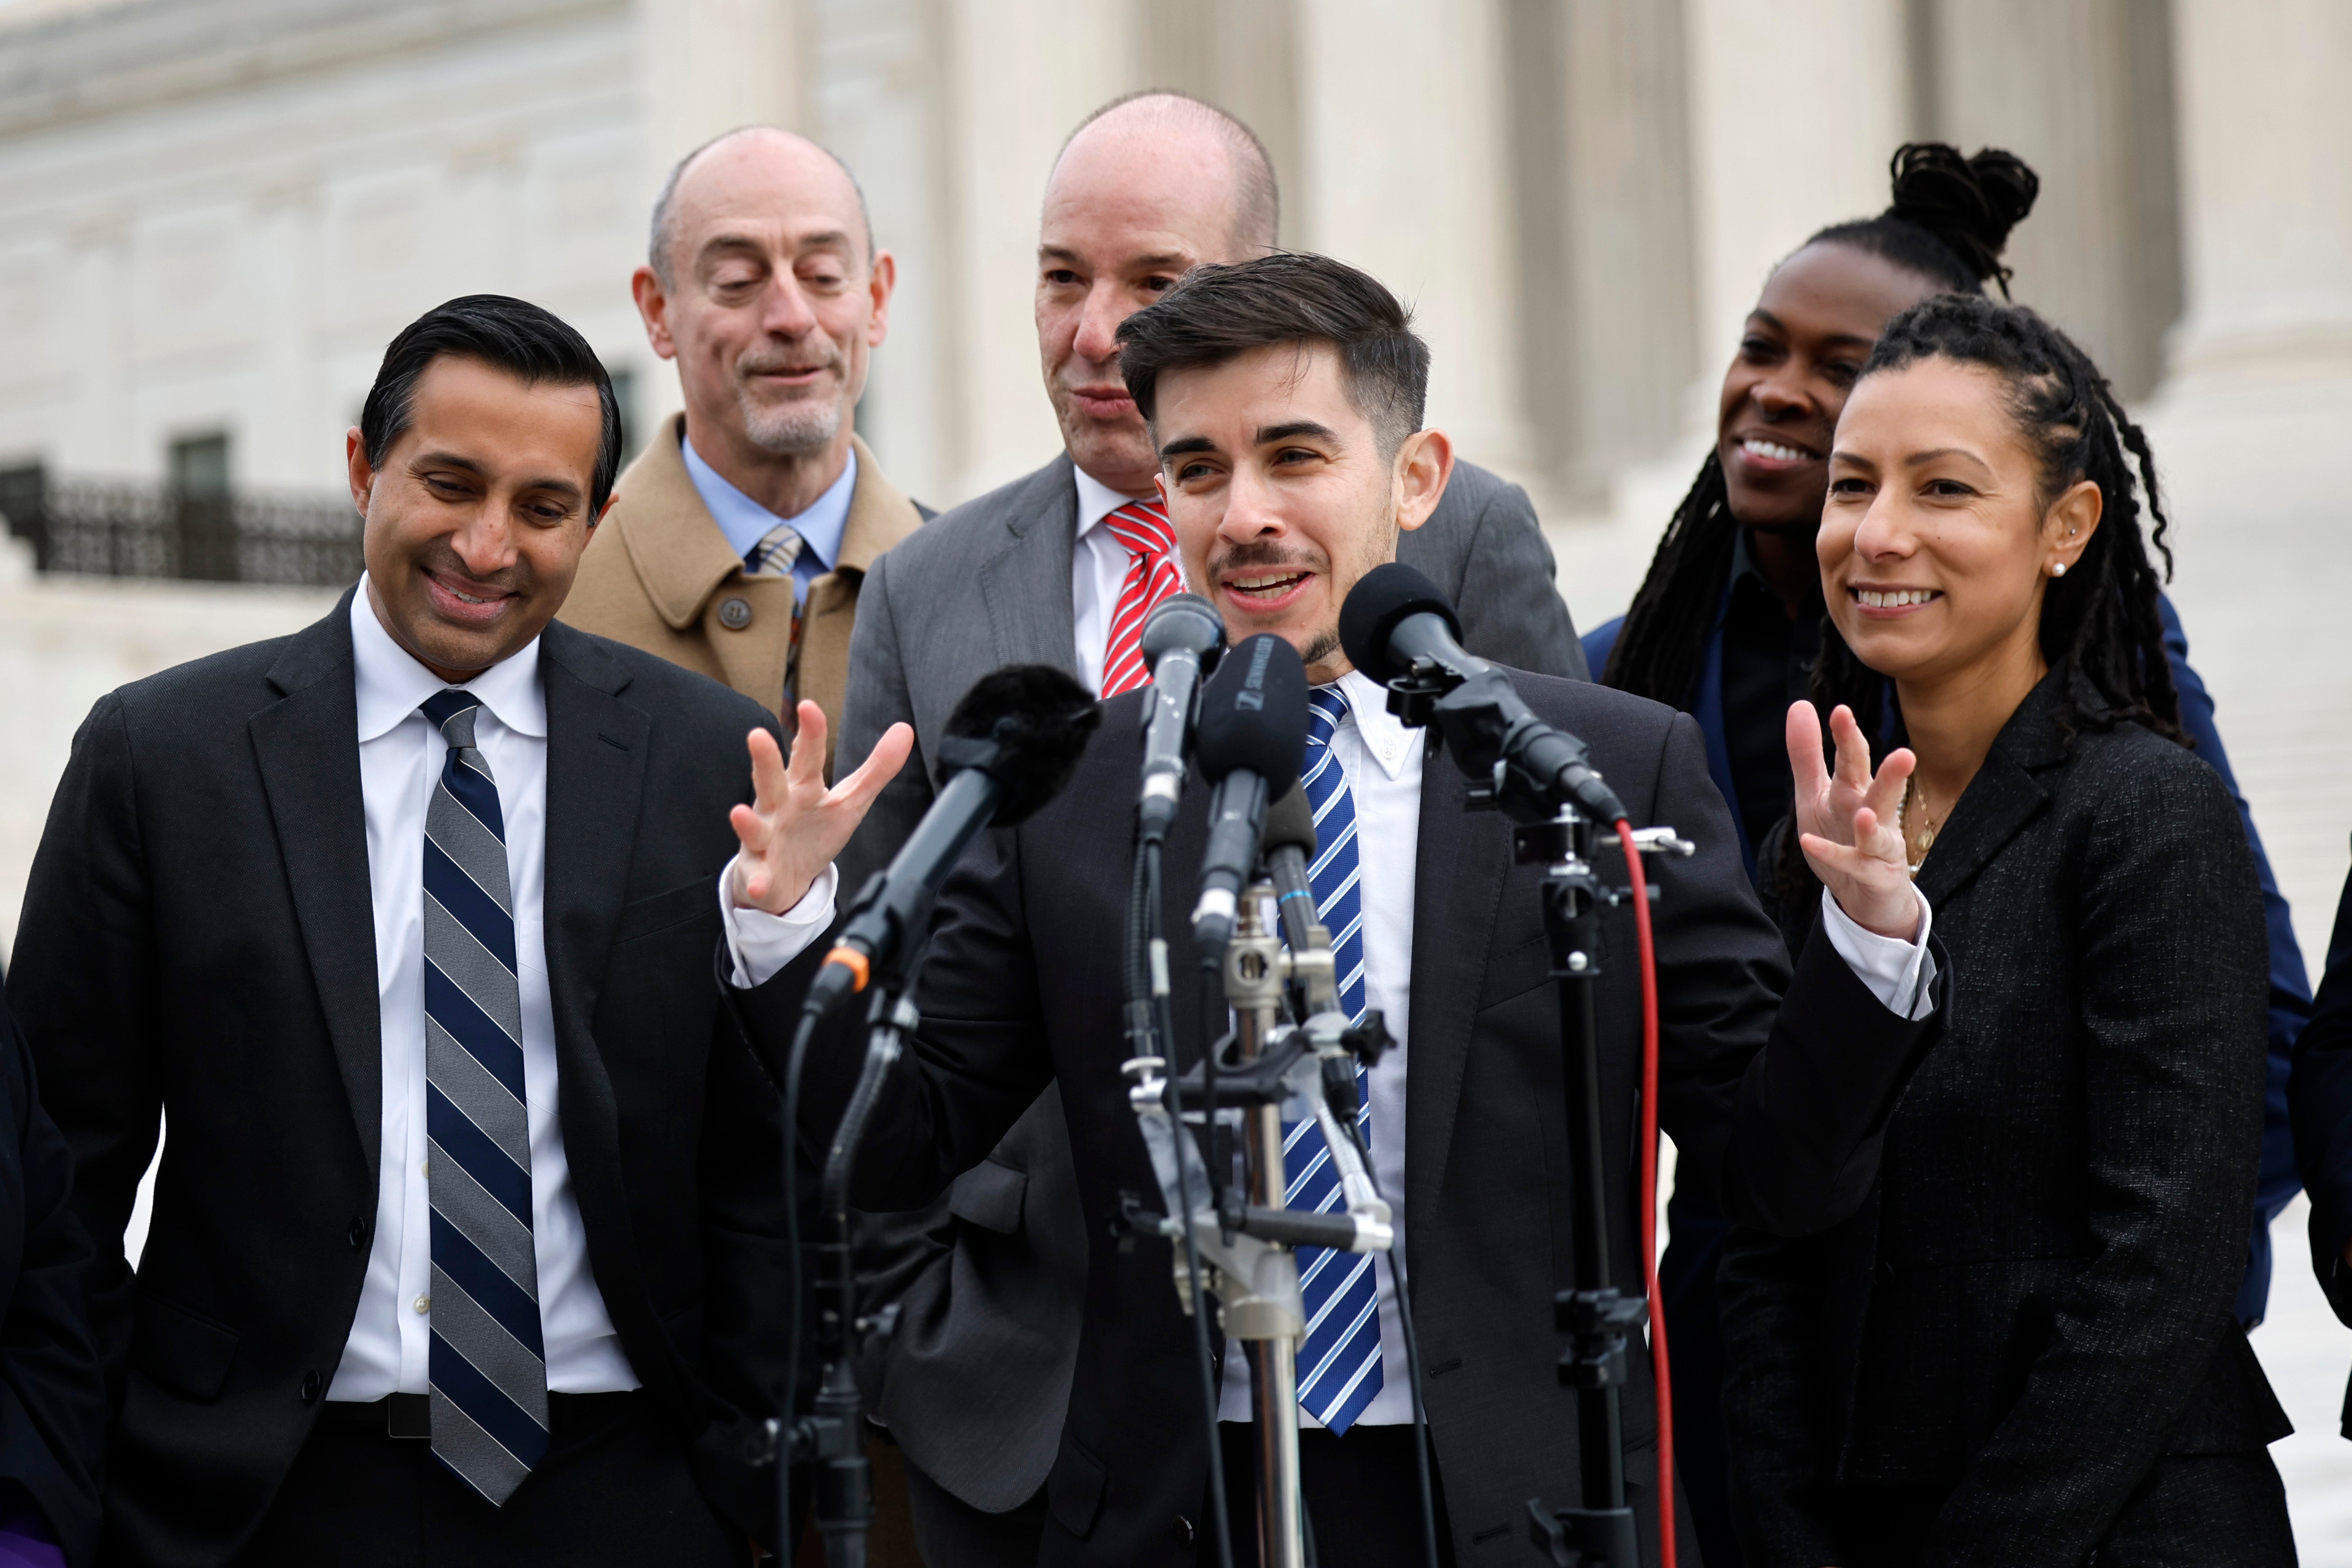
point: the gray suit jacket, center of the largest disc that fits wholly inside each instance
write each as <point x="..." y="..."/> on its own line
<point x="991" y="1282"/>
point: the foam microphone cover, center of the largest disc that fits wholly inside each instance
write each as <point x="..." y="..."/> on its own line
<point x="1039" y="719"/>
<point x="1182" y="621"/>
<point x="1380" y="598"/>
<point x="1289" y="821"/>
<point x="1254" y="715"/>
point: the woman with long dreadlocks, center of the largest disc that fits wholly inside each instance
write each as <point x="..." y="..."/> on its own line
<point x="1726" y="625"/>
<point x="2021" y="1349"/>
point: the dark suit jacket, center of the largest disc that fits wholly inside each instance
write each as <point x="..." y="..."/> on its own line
<point x="1023" y="988"/>
<point x="2036" y="1302"/>
<point x="990" y="1282"/>
<point x="2320" y="1094"/>
<point x="198" y="942"/>
<point x="52" y="1392"/>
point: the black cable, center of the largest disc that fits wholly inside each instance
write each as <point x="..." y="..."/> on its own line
<point x="792" y="1064"/>
<point x="1163" y="1018"/>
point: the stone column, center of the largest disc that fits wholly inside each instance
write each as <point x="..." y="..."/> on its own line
<point x="1795" y="109"/>
<point x="2267" y="174"/>
<point x="1405" y="115"/>
<point x="2082" y="90"/>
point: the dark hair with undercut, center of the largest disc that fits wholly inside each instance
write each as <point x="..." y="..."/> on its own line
<point x="2101" y="630"/>
<point x="528" y="343"/>
<point x="1217" y="313"/>
<point x="1948" y="222"/>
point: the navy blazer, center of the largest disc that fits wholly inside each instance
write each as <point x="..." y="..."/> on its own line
<point x="2321" y="1095"/>
<point x="2290" y="992"/>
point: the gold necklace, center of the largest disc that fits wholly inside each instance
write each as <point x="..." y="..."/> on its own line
<point x="1917" y="845"/>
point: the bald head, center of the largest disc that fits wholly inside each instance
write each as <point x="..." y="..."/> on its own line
<point x="753" y="168"/>
<point x="1221" y="158"/>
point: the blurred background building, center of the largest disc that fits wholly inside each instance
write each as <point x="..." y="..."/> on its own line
<point x="215" y="213"/>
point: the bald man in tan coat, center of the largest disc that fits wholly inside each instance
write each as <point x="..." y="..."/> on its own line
<point x="763" y="284"/>
<point x="739" y="540"/>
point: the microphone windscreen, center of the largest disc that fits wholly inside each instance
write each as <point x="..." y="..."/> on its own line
<point x="1182" y="621"/>
<point x="1380" y="598"/>
<point x="1254" y="715"/>
<point x="1289" y="821"/>
<point x="1037" y="719"/>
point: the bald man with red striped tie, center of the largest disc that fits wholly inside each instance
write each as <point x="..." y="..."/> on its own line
<point x="1062" y="567"/>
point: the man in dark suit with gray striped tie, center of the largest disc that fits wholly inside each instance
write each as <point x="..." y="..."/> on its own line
<point x="468" y="1245"/>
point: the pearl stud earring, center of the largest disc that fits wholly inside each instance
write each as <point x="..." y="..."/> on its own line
<point x="2057" y="569"/>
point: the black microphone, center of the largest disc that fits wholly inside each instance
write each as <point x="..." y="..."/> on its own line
<point x="1253" y="738"/>
<point x="1395" y="622"/>
<point x="1182" y="639"/>
<point x="1011" y="743"/>
<point x="1287" y="841"/>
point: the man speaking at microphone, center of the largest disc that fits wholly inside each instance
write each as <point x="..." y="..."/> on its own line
<point x="1285" y="398"/>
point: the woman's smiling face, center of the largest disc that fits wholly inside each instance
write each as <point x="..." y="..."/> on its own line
<point x="1800" y="354"/>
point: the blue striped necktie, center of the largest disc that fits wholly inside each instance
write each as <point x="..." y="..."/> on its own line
<point x="1339" y="1364"/>
<point x="489" y="1366"/>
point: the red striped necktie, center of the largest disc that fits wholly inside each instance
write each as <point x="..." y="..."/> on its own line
<point x="1143" y="528"/>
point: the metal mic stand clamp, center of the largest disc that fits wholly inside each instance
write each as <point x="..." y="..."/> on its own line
<point x="1253" y="1272"/>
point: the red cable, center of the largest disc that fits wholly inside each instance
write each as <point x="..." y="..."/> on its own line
<point x="1666" y="1387"/>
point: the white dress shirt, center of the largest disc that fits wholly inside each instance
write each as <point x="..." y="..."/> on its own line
<point x="401" y="755"/>
<point x="1098" y="566"/>
<point x="1381" y="759"/>
<point x="745" y="521"/>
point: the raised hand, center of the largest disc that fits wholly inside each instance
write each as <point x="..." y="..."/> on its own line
<point x="1848" y="824"/>
<point x="794" y="826"/>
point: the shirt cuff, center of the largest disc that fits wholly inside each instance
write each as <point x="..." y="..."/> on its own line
<point x="760" y="943"/>
<point x="1900" y="975"/>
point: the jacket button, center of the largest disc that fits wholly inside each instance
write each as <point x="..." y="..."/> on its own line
<point x="1182" y="1531"/>
<point x="359" y="1234"/>
<point x="311" y="1383"/>
<point x="735" y="615"/>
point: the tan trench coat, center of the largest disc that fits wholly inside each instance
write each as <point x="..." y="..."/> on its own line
<point x="658" y="575"/>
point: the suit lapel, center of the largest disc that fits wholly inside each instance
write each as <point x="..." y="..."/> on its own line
<point x="1025" y="585"/>
<point x="2002" y="797"/>
<point x="1457" y="892"/>
<point x="307" y="744"/>
<point x="596" y="749"/>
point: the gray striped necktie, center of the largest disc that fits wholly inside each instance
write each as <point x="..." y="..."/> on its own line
<point x="488" y="1365"/>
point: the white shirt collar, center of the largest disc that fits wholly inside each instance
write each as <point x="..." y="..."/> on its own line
<point x="391" y="685"/>
<point x="1386" y="738"/>
<point x="745" y="521"/>
<point x="1098" y="500"/>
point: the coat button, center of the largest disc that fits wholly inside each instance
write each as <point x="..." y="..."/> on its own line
<point x="735" y="615"/>
<point x="359" y="1234"/>
<point x="1182" y="1531"/>
<point x="311" y="1383"/>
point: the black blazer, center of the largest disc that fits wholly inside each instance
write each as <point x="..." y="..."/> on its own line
<point x="2319" y="1100"/>
<point x="197" y="942"/>
<point x="52" y="1393"/>
<point x="2035" y="1304"/>
<point x="1023" y="988"/>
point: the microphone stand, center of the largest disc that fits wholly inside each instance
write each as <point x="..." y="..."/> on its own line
<point x="1245" y="1244"/>
<point x="1597" y="1317"/>
<point x="832" y="1437"/>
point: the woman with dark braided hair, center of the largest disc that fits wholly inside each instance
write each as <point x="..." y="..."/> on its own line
<point x="2021" y="1350"/>
<point x="1726" y="623"/>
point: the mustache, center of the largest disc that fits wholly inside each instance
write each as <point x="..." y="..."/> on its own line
<point x="1262" y="554"/>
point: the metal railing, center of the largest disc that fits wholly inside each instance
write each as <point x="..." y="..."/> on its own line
<point x="110" y="528"/>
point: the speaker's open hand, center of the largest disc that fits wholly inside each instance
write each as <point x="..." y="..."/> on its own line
<point x="1848" y="823"/>
<point x="794" y="826"/>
